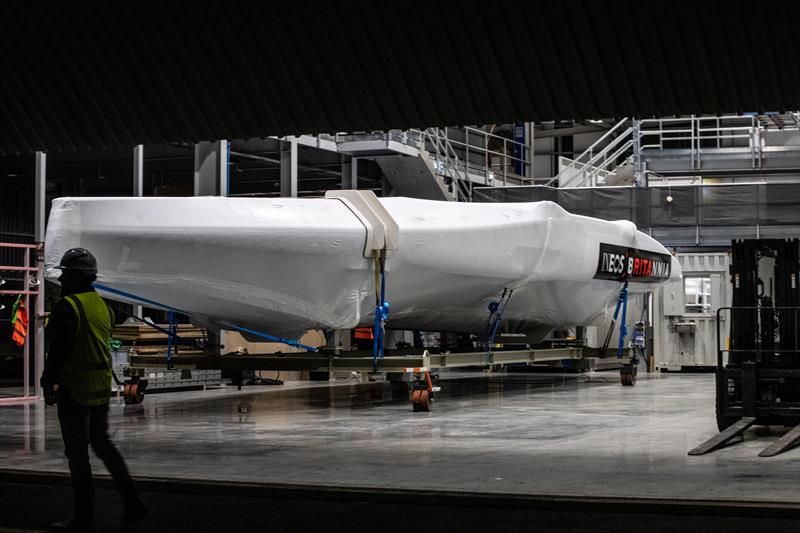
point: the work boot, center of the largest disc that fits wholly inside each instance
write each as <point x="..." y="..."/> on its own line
<point x="135" y="511"/>
<point x="72" y="525"/>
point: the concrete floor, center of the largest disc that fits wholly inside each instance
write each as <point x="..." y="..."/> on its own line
<point x="532" y="434"/>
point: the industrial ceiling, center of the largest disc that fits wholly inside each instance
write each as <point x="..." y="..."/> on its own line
<point x="79" y="76"/>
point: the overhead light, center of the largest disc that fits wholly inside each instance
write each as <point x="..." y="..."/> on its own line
<point x="33" y="282"/>
<point x="2" y="282"/>
<point x="2" y="307"/>
<point x="592" y="121"/>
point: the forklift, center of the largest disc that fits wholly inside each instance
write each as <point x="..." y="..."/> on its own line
<point x="760" y="382"/>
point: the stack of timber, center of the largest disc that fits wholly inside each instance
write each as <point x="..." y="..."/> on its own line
<point x="144" y="340"/>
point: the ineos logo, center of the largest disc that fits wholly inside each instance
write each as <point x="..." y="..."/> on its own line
<point x="616" y="263"/>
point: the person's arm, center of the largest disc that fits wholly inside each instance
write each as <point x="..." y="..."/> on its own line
<point x="59" y="336"/>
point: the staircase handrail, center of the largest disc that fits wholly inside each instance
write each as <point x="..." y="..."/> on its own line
<point x="591" y="173"/>
<point x="626" y="139"/>
<point x="582" y="168"/>
<point x="594" y="168"/>
<point x="456" y="166"/>
<point x="447" y="155"/>
<point x="590" y="150"/>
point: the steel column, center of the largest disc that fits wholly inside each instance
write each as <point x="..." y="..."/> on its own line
<point x="40" y="194"/>
<point x="26" y="349"/>
<point x="354" y="173"/>
<point x="138" y="170"/>
<point x="289" y="167"/>
<point x="211" y="179"/>
<point x="638" y="170"/>
<point x="211" y="168"/>
<point x="138" y="191"/>
<point x="528" y="151"/>
<point x="347" y="170"/>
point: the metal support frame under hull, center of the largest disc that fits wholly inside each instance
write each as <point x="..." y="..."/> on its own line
<point x="390" y="363"/>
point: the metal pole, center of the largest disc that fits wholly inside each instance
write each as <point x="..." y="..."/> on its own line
<point x="26" y="350"/>
<point x="695" y="147"/>
<point x="637" y="154"/>
<point x="138" y="170"/>
<point x="138" y="191"/>
<point x="528" y="149"/>
<point x="487" y="158"/>
<point x="697" y="215"/>
<point x="347" y="164"/>
<point x="505" y="164"/>
<point x="466" y="157"/>
<point x="225" y="173"/>
<point x="40" y="188"/>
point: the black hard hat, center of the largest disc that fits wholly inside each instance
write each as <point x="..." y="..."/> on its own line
<point x="78" y="259"/>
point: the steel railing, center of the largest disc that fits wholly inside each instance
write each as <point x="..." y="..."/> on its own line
<point x="465" y="153"/>
<point x="694" y="138"/>
<point x="26" y="284"/>
<point x="482" y="157"/>
<point x="698" y="134"/>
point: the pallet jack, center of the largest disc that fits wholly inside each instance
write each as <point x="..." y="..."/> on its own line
<point x="629" y="370"/>
<point x="760" y="383"/>
<point x="132" y="389"/>
<point x="422" y="388"/>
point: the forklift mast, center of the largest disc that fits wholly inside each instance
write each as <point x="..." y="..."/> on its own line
<point x="760" y="384"/>
<point x="764" y="275"/>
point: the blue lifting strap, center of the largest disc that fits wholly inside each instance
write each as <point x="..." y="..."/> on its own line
<point x="622" y="301"/>
<point x="227" y="325"/>
<point x="381" y="309"/>
<point x="495" y="318"/>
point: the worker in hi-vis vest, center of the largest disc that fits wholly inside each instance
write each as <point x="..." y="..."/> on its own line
<point x="77" y="376"/>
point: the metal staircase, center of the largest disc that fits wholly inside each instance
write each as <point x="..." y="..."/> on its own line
<point x="415" y="176"/>
<point x="448" y="164"/>
<point x="438" y="163"/>
<point x="599" y="163"/>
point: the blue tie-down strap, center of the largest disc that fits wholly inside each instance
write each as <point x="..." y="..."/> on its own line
<point x="379" y="332"/>
<point x="495" y="316"/>
<point x="496" y="308"/>
<point x="225" y="324"/>
<point x="623" y="330"/>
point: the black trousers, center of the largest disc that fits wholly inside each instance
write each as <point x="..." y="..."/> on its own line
<point x="81" y="426"/>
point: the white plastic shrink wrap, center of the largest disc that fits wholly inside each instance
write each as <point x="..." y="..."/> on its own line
<point x="287" y="265"/>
